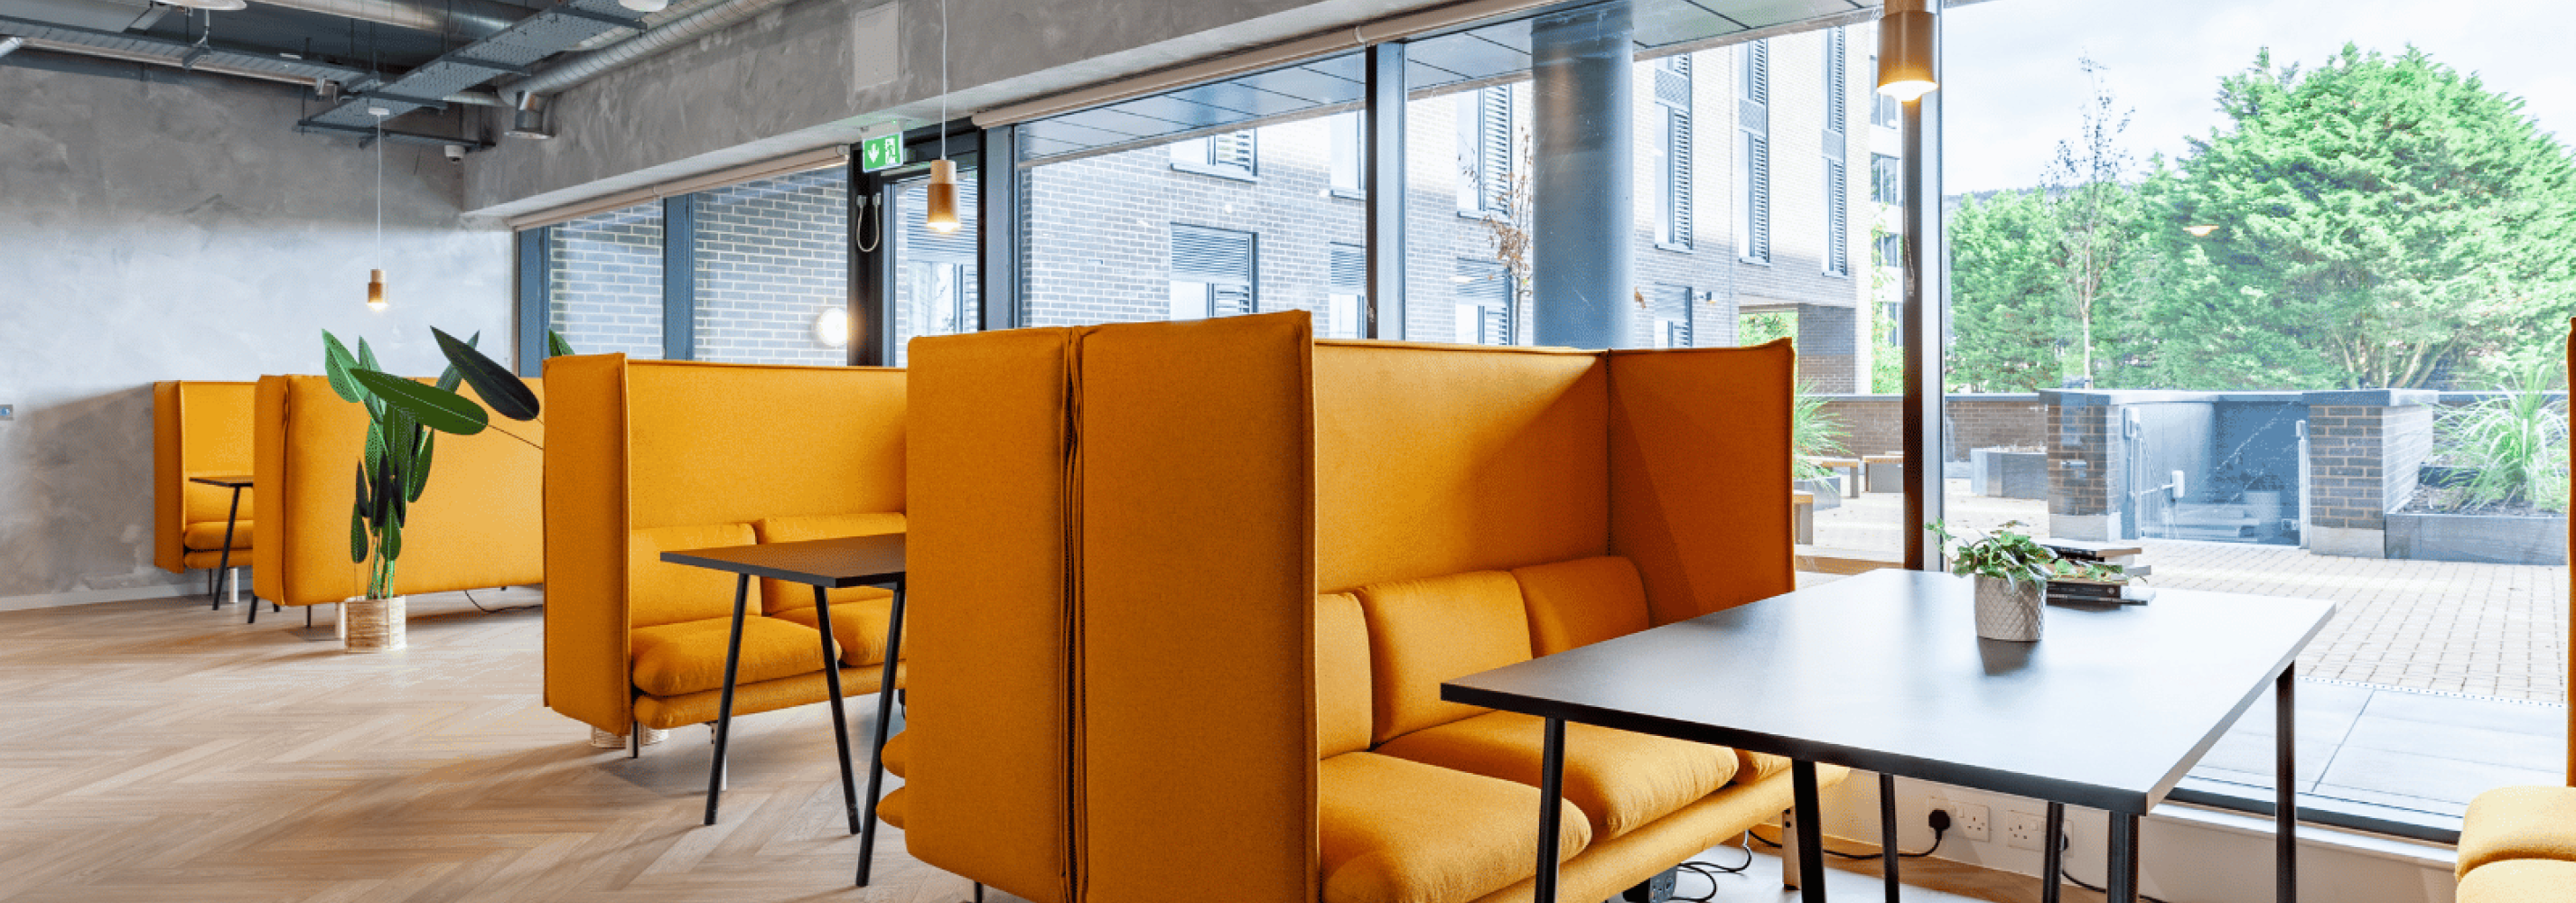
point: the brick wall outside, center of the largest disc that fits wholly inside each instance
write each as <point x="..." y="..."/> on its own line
<point x="770" y="259"/>
<point x="605" y="281"/>
<point x="1874" y="424"/>
<point x="2362" y="462"/>
<point x="2081" y="465"/>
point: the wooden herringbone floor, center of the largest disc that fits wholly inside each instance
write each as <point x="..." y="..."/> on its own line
<point x="156" y="750"/>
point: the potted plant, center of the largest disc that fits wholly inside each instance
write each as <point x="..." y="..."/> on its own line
<point x="2012" y="572"/>
<point x="1814" y="433"/>
<point x="404" y="419"/>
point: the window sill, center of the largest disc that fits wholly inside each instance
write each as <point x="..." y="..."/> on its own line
<point x="1227" y="173"/>
<point x="1349" y="194"/>
<point x="1751" y="261"/>
<point x="1675" y="248"/>
<point x="2319" y="811"/>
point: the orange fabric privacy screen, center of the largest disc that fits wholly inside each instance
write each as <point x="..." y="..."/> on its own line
<point x="1699" y="475"/>
<point x="586" y="536"/>
<point x="1197" y="611"/>
<point x="989" y="745"/>
<point x="734" y="443"/>
<point x="479" y="522"/>
<point x="197" y="428"/>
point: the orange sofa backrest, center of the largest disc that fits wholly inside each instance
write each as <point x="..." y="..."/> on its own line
<point x="197" y="428"/>
<point x="641" y="449"/>
<point x="476" y="524"/>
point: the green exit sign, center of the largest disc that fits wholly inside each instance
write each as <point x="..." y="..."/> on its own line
<point x="881" y="152"/>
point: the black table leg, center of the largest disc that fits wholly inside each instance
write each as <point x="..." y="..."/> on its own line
<point x="2285" y="818"/>
<point x="2052" y="861"/>
<point x="1887" y="852"/>
<point x="1811" y="831"/>
<point x="840" y="722"/>
<point x="2123" y="876"/>
<point x="724" y="704"/>
<point x="885" y="715"/>
<point x="224" y="562"/>
<point x="1551" y="793"/>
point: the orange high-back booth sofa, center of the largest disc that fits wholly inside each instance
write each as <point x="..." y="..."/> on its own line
<point x="652" y="456"/>
<point x="476" y="524"/>
<point x="1220" y="570"/>
<point x="198" y="428"/>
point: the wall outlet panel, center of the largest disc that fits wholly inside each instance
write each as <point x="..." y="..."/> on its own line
<point x="1972" y="821"/>
<point x="2022" y="830"/>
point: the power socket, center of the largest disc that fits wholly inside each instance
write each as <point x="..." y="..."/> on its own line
<point x="2022" y="830"/>
<point x="1969" y="820"/>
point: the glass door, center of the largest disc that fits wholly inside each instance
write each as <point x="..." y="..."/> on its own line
<point x="922" y="272"/>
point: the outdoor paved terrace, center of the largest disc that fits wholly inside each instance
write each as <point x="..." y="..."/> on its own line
<point x="2435" y="681"/>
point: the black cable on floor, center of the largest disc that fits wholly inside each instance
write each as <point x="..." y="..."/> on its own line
<point x="1937" y="834"/>
<point x="2063" y="843"/>
<point x="1710" y="871"/>
<point x="469" y="598"/>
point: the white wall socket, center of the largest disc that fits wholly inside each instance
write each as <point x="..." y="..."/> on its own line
<point x="1968" y="820"/>
<point x="2022" y="830"/>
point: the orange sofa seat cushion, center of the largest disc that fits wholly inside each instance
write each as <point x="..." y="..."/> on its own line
<point x="210" y="536"/>
<point x="2519" y="823"/>
<point x="1342" y="703"/>
<point x="689" y="657"/>
<point x="2518" y="881"/>
<point x="1423" y="632"/>
<point x="1754" y="767"/>
<point x="1622" y="780"/>
<point x="1582" y="602"/>
<point x="1393" y="831"/>
<point x="661" y="593"/>
<point x="779" y="595"/>
<point x="858" y="626"/>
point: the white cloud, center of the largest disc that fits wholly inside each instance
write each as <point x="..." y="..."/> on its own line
<point x="2013" y="90"/>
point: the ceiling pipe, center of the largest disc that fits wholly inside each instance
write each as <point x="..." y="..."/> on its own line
<point x="471" y="98"/>
<point x="467" y="18"/>
<point x="680" y="10"/>
<point x="593" y="65"/>
<point x="9" y="45"/>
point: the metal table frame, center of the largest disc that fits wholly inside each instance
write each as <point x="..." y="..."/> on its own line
<point x="225" y="584"/>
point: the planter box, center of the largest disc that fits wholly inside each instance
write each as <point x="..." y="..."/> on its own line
<point x="2008" y="474"/>
<point x="2487" y="538"/>
<point x="1828" y="491"/>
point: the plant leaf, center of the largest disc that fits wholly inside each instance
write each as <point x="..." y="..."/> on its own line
<point x="446" y="412"/>
<point x="358" y="535"/>
<point x="448" y="380"/>
<point x="555" y="344"/>
<point x="420" y="465"/>
<point x="393" y="541"/>
<point x="500" y="389"/>
<point x="367" y="361"/>
<point x="336" y="364"/>
<point x="375" y="459"/>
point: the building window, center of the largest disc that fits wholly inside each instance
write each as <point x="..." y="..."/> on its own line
<point x="1884" y="111"/>
<point x="1753" y="151"/>
<point x="1674" y="316"/>
<point x="1232" y="155"/>
<point x="1837" y="174"/>
<point x="1346" y="305"/>
<point x="1485" y="158"/>
<point x="1886" y="180"/>
<point x="1890" y="249"/>
<point x="1672" y="152"/>
<point x="604" y="276"/>
<point x="1211" y="272"/>
<point x="1350" y="172"/>
<point x="1484" y="302"/>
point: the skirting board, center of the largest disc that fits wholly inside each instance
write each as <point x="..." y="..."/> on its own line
<point x="96" y="596"/>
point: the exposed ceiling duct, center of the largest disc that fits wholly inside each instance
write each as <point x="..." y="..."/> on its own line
<point x="680" y="10"/>
<point x="464" y="18"/>
<point x="508" y="52"/>
<point x="210" y="65"/>
<point x="204" y="57"/>
<point x="593" y="65"/>
<point x="9" y="45"/>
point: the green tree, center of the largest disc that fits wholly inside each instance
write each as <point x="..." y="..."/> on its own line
<point x="2376" y="222"/>
<point x="2008" y="290"/>
<point x="2096" y="212"/>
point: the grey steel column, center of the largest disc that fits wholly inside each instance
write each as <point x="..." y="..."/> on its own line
<point x="1927" y="316"/>
<point x="1583" y="65"/>
<point x="1383" y="140"/>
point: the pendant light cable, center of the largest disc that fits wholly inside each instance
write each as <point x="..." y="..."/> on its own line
<point x="943" y="79"/>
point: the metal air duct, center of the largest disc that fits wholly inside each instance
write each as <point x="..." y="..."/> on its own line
<point x="11" y="44"/>
<point x="680" y="10"/>
<point x="593" y="65"/>
<point x="470" y="19"/>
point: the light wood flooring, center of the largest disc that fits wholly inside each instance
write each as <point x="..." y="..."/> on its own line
<point x="155" y="750"/>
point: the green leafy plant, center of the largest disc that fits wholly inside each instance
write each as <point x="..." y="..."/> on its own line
<point x="404" y="419"/>
<point x="1813" y="433"/>
<point x="2017" y="559"/>
<point x="2516" y="443"/>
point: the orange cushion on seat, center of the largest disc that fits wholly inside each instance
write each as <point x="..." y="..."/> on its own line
<point x="688" y="657"/>
<point x="1579" y="603"/>
<point x="1392" y="831"/>
<point x="1423" y="632"/>
<point x="858" y="626"/>
<point x="1622" y="780"/>
<point x="1342" y="704"/>
<point x="215" y="558"/>
<point x="209" y="537"/>
<point x="1753" y="766"/>
<point x="779" y="595"/>
<point x="895" y="755"/>
<point x="2518" y="881"/>
<point x="660" y="593"/>
<point x="2519" y="823"/>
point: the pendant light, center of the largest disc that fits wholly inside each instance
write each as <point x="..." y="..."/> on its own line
<point x="1906" y="35"/>
<point x="376" y="277"/>
<point x="942" y="215"/>
<point x="218" y="5"/>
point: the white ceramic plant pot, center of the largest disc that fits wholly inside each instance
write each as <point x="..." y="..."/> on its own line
<point x="371" y="625"/>
<point x="2008" y="612"/>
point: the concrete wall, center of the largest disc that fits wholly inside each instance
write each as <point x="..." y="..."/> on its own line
<point x="177" y="229"/>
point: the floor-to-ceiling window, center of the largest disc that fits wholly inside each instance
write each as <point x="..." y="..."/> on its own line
<point x="773" y="259"/>
<point x="604" y="281"/>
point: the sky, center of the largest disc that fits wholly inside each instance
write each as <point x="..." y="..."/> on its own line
<point x="2013" y="89"/>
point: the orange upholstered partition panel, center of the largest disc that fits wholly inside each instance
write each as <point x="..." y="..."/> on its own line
<point x="735" y="443"/>
<point x="587" y="649"/>
<point x="478" y="524"/>
<point x="1439" y="459"/>
<point x="989" y="739"/>
<point x="1197" y="621"/>
<point x="1699" y="474"/>
<point x="197" y="428"/>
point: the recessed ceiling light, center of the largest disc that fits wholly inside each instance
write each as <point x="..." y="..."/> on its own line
<point x="645" y="6"/>
<point x="219" y="5"/>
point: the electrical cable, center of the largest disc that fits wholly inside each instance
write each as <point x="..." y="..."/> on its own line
<point x="1710" y="871"/>
<point x="469" y="598"/>
<point x="2064" y="843"/>
<point x="1937" y="834"/>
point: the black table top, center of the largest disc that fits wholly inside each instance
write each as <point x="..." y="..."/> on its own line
<point x="830" y="563"/>
<point x="1884" y="672"/>
<point x="226" y="480"/>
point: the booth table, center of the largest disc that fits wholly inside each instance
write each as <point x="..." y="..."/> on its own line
<point x="1884" y="672"/>
<point x="230" y="588"/>
<point x="824" y="564"/>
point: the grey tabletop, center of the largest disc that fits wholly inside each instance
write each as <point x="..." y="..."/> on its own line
<point x="1884" y="671"/>
<point x="832" y="563"/>
<point x="226" y="480"/>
